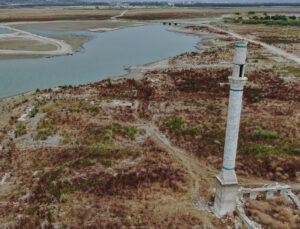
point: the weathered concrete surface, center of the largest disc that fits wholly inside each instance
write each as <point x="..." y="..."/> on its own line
<point x="227" y="183"/>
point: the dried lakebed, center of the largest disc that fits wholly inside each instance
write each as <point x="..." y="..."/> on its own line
<point x="106" y="55"/>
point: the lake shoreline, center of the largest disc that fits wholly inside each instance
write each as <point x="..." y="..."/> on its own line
<point x="99" y="59"/>
<point x="136" y="72"/>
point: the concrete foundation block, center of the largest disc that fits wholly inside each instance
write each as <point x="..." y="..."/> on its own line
<point x="253" y="195"/>
<point x="225" y="198"/>
<point x="284" y="192"/>
<point x="227" y="176"/>
<point x="269" y="194"/>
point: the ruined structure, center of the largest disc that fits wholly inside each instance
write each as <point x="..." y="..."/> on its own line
<point x="227" y="184"/>
<point x="268" y="191"/>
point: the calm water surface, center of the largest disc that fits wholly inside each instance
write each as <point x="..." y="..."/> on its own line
<point x="5" y="31"/>
<point x="104" y="56"/>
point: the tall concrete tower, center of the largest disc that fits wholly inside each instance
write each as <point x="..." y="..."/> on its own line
<point x="227" y="184"/>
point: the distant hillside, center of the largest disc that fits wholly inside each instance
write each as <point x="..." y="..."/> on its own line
<point x="179" y="3"/>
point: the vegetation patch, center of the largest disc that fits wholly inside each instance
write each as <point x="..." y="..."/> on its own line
<point x="93" y="109"/>
<point x="85" y="163"/>
<point x="293" y="70"/>
<point x="175" y="124"/>
<point x="127" y="131"/>
<point x="264" y="135"/>
<point x="259" y="149"/>
<point x="33" y="112"/>
<point x="53" y="185"/>
<point x="44" y="134"/>
<point x="20" y="130"/>
<point x="278" y="20"/>
<point x="278" y="39"/>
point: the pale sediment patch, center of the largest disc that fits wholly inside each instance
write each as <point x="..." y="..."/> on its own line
<point x="103" y="29"/>
<point x="74" y="40"/>
<point x="62" y="48"/>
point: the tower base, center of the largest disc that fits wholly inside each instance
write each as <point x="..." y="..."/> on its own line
<point x="225" y="198"/>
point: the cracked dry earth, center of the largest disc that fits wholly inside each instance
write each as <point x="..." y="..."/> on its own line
<point x="143" y="153"/>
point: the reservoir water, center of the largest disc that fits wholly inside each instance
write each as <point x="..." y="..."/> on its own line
<point x="5" y="31"/>
<point x="104" y="56"/>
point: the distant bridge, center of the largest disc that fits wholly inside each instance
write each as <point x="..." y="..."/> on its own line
<point x="171" y="23"/>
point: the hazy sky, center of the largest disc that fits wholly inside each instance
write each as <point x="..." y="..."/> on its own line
<point x="206" y="1"/>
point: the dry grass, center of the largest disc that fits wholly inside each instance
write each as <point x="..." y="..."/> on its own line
<point x="285" y="37"/>
<point x="276" y="212"/>
<point x="55" y="13"/>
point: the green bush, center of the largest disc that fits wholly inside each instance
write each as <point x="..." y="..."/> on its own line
<point x="44" y="134"/>
<point x="63" y="198"/>
<point x="93" y="109"/>
<point x="21" y="130"/>
<point x="175" y="124"/>
<point x="34" y="112"/>
<point x="193" y="131"/>
<point x="264" y="134"/>
<point x="107" y="163"/>
<point x="128" y="131"/>
<point x="86" y="162"/>
<point x="291" y="150"/>
<point x="210" y="106"/>
<point x="259" y="150"/>
<point x="50" y="217"/>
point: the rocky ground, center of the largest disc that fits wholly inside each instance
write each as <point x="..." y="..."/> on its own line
<point x="129" y="153"/>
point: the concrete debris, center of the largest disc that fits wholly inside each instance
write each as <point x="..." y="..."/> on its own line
<point x="24" y="116"/>
<point x="268" y="191"/>
<point x="119" y="103"/>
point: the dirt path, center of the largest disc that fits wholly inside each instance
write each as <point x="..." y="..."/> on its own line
<point x="271" y="48"/>
<point x="120" y="15"/>
<point x="62" y="47"/>
<point x="202" y="176"/>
